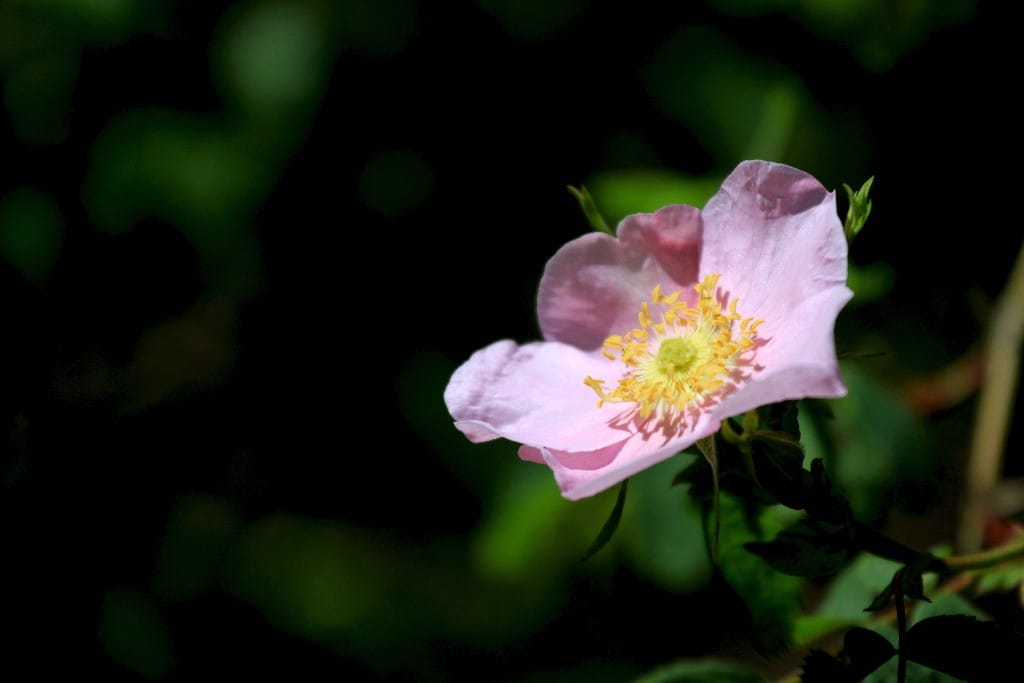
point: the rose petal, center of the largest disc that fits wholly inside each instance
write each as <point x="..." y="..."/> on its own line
<point x="799" y="362"/>
<point x="531" y="454"/>
<point x="535" y="395"/>
<point x="594" y="285"/>
<point x="581" y="475"/>
<point x="772" y="232"/>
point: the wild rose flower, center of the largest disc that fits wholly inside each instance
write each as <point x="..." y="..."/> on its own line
<point x="655" y="336"/>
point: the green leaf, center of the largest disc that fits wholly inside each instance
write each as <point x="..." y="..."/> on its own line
<point x="864" y="651"/>
<point x="703" y="671"/>
<point x="608" y="530"/>
<point x="778" y="466"/>
<point x="964" y="647"/>
<point x="860" y="208"/>
<point x="590" y="210"/>
<point x="854" y="587"/>
<point x="807" y="549"/>
<point x="776" y="454"/>
<point x="771" y="600"/>
<point x="824" y="503"/>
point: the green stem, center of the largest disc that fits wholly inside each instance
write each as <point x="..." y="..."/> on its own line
<point x="880" y="545"/>
<point x="709" y="450"/>
<point x="901" y="626"/>
<point x="986" y="558"/>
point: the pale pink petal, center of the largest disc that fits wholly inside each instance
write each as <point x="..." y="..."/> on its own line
<point x="773" y="234"/>
<point x="531" y="454"/>
<point x="534" y="395"/>
<point x="594" y="285"/>
<point x="580" y="475"/>
<point x="798" y="361"/>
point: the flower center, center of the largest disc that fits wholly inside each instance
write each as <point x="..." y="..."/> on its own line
<point x="689" y="355"/>
<point x="677" y="355"/>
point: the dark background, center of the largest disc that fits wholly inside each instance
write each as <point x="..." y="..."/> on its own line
<point x="243" y="245"/>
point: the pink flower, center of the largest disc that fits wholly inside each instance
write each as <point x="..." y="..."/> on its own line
<point x="653" y="337"/>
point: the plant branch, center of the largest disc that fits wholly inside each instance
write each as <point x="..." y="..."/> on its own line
<point x="1002" y="368"/>
<point x="709" y="450"/>
<point x="986" y="558"/>
<point x="901" y="628"/>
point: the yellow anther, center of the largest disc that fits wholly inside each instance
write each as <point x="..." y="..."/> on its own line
<point x="685" y="356"/>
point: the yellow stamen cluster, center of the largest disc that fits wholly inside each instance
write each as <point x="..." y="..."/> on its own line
<point x="685" y="356"/>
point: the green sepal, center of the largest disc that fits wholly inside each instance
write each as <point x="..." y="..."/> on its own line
<point x="590" y="210"/>
<point x="860" y="209"/>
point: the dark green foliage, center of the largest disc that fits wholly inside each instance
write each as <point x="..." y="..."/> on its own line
<point x="808" y="548"/>
<point x="863" y="652"/>
<point x="768" y="601"/>
<point x="967" y="648"/>
<point x="907" y="582"/>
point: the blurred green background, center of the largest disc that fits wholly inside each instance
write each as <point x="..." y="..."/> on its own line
<point x="244" y="244"/>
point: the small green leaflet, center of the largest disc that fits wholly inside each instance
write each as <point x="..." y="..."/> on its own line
<point x="608" y="530"/>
